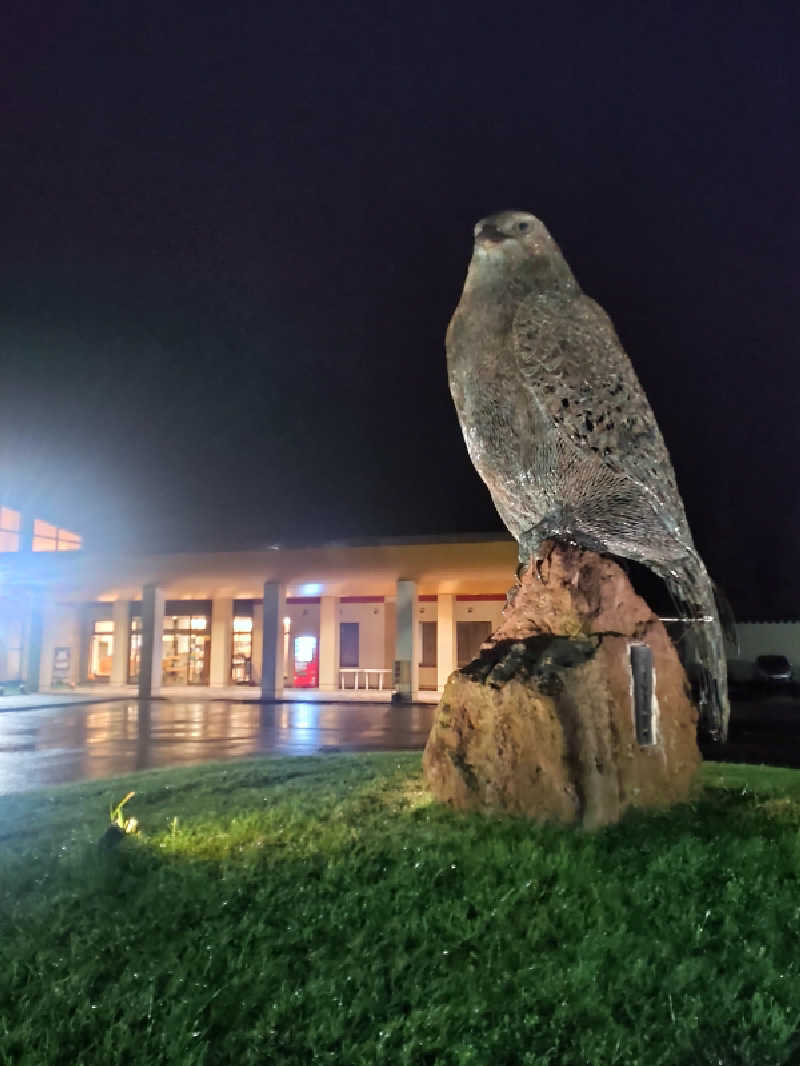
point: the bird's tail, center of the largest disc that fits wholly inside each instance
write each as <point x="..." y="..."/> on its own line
<point x="727" y="619"/>
<point x="703" y="650"/>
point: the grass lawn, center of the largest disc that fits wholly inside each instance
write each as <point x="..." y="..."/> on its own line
<point x="320" y="910"/>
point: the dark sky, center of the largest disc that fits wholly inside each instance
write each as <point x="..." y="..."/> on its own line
<point x="232" y="240"/>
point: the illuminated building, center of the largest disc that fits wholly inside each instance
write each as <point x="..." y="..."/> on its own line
<point x="22" y="535"/>
<point x="381" y="616"/>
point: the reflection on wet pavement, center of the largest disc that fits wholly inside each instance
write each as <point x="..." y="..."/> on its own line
<point x="59" y="744"/>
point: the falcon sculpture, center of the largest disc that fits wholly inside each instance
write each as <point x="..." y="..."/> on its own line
<point x="558" y="426"/>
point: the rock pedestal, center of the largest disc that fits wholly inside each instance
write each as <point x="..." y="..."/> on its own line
<point x="544" y="722"/>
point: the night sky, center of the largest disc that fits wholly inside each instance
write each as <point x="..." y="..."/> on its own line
<point x="232" y="241"/>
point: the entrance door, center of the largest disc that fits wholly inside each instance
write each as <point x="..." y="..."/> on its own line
<point x="135" y="650"/>
<point x="101" y="648"/>
<point x="185" y="641"/>
<point x="242" y="650"/>
<point x="428" y="673"/>
<point x="306" y="662"/>
<point x="469" y="637"/>
<point x="348" y="644"/>
<point x="196" y="667"/>
<point x="11" y="629"/>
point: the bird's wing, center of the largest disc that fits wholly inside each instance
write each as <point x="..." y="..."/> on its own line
<point x="572" y="364"/>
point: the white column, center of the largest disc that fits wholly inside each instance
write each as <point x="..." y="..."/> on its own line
<point x="32" y="652"/>
<point x="82" y="651"/>
<point x="416" y="651"/>
<point x="120" y="615"/>
<point x="272" y="664"/>
<point x="50" y="630"/>
<point x="328" y="643"/>
<point x="152" y="642"/>
<point x="221" y="643"/>
<point x="445" y="638"/>
<point x="257" y="641"/>
<point x="406" y="671"/>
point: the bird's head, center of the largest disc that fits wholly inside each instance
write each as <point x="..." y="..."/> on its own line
<point x="513" y="232"/>
<point x="516" y="243"/>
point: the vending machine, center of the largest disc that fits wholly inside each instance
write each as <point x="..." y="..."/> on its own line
<point x="306" y="662"/>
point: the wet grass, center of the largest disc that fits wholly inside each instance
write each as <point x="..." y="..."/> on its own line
<point x="320" y="910"/>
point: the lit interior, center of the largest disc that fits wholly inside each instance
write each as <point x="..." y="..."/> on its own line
<point x="9" y="530"/>
<point x="101" y="650"/>
<point x="50" y="538"/>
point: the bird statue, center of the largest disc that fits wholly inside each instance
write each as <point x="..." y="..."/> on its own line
<point x="559" y="428"/>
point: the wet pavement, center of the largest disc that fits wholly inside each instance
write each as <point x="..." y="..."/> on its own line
<point x="54" y="745"/>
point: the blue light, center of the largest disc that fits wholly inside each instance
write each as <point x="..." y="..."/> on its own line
<point x="312" y="588"/>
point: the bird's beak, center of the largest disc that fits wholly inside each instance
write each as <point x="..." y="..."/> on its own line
<point x="489" y="234"/>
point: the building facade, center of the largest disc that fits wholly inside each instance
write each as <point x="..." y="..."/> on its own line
<point x="23" y="538"/>
<point x="351" y="619"/>
<point x="348" y="619"/>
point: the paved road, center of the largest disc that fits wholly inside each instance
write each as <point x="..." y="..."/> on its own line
<point x="54" y="745"/>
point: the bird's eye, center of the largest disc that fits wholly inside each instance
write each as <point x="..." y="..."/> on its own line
<point x="522" y="226"/>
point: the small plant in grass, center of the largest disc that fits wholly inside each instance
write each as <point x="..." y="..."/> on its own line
<point x="120" y="825"/>
<point x="117" y="818"/>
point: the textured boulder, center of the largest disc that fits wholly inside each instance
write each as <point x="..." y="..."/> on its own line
<point x="543" y="724"/>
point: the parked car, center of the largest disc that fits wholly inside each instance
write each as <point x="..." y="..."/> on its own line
<point x="773" y="669"/>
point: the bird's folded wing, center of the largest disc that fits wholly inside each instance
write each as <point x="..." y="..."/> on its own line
<point x="573" y="366"/>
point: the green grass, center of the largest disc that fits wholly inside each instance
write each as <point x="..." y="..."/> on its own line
<point x="321" y="910"/>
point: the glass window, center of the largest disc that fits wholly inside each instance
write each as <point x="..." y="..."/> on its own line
<point x="242" y="650"/>
<point x="49" y="538"/>
<point x="101" y="650"/>
<point x="9" y="542"/>
<point x="67" y="542"/>
<point x="9" y="519"/>
<point x="11" y="638"/>
<point x="44" y="529"/>
<point x="185" y="622"/>
<point x="9" y="530"/>
<point x="185" y="658"/>
<point x="348" y="644"/>
<point x="429" y="633"/>
<point x="469" y="637"/>
<point x="304" y="648"/>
